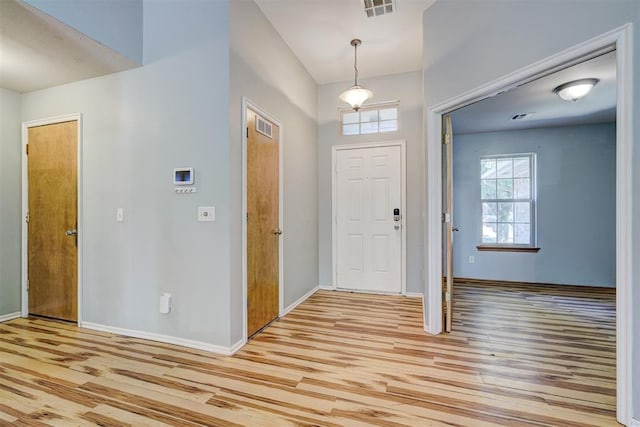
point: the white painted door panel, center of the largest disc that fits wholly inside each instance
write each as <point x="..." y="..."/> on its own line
<point x="369" y="247"/>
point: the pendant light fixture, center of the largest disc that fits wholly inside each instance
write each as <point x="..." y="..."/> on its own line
<point x="357" y="95"/>
<point x="572" y="91"/>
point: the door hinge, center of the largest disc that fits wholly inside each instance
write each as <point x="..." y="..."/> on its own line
<point x="26" y="149"/>
<point x="27" y="285"/>
<point x="445" y="217"/>
<point x="447" y="139"/>
<point x="26" y="218"/>
<point x="447" y="297"/>
<point x="247" y="132"/>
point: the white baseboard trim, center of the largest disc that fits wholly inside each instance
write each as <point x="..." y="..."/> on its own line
<point x="414" y="295"/>
<point x="10" y="316"/>
<point x="635" y="423"/>
<point x="326" y="287"/>
<point x="167" y="339"/>
<point x="237" y="346"/>
<point x="299" y="301"/>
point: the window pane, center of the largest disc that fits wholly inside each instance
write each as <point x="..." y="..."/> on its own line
<point x="523" y="212"/>
<point x="389" y="113"/>
<point x="521" y="187"/>
<point x="488" y="189"/>
<point x="505" y="212"/>
<point x="369" y="116"/>
<point x="505" y="189"/>
<point x="488" y="168"/>
<point x="489" y="212"/>
<point x="388" y="126"/>
<point x="352" y="117"/>
<point x="503" y="180"/>
<point x="505" y="233"/>
<point x="521" y="167"/>
<point x="505" y="168"/>
<point x="368" y="127"/>
<point x="351" y="129"/>
<point x="489" y="232"/>
<point x="523" y="234"/>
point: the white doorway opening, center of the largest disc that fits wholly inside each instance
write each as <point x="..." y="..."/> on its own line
<point x="620" y="39"/>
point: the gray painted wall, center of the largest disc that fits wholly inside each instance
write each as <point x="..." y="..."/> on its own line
<point x="138" y="125"/>
<point x="264" y="70"/>
<point x="10" y="201"/>
<point x="490" y="39"/>
<point x="406" y="88"/>
<point x="576" y="181"/>
<point x="116" y="24"/>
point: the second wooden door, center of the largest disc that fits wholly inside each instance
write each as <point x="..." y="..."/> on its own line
<point x="263" y="232"/>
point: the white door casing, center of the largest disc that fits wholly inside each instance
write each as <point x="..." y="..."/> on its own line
<point x="24" y="295"/>
<point x="621" y="38"/>
<point x="368" y="240"/>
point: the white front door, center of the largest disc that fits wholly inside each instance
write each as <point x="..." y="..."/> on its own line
<point x="368" y="234"/>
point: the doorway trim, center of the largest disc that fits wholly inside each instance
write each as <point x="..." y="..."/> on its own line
<point x="403" y="190"/>
<point x="621" y="39"/>
<point x="24" y="296"/>
<point x="246" y="103"/>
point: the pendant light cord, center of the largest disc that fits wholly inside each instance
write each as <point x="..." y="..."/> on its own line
<point x="355" y="64"/>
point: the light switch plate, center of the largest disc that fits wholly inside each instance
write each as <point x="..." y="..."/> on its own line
<point x="120" y="215"/>
<point x="206" y="213"/>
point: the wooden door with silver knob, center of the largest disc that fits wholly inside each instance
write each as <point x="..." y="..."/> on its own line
<point x="263" y="228"/>
<point x="52" y="235"/>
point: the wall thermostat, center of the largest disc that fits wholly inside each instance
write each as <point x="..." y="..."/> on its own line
<point x="183" y="176"/>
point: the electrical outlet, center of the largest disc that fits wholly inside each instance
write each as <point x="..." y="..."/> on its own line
<point x="206" y="213"/>
<point x="472" y="259"/>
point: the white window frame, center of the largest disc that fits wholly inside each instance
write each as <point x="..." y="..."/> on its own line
<point x="370" y="107"/>
<point x="532" y="200"/>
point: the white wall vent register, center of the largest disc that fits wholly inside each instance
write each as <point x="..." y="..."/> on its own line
<point x="264" y="127"/>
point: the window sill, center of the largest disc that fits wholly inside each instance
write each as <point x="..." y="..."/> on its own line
<point x="506" y="248"/>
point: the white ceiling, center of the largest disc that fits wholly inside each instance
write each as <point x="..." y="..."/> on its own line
<point x="37" y="51"/>
<point x="548" y="109"/>
<point x="319" y="32"/>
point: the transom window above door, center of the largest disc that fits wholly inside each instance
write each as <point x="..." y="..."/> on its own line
<point x="507" y="199"/>
<point x="373" y="119"/>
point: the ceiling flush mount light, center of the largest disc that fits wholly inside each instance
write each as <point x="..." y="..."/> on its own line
<point x="357" y="95"/>
<point x="572" y="91"/>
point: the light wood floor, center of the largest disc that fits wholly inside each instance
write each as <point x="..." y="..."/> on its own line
<point x="519" y="356"/>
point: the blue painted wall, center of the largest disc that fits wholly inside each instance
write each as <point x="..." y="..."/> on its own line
<point x="575" y="205"/>
<point x="115" y="24"/>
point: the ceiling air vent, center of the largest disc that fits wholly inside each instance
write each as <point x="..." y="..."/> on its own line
<point x="264" y="127"/>
<point x="378" y="7"/>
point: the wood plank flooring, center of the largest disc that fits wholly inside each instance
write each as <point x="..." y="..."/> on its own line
<point x="518" y="356"/>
